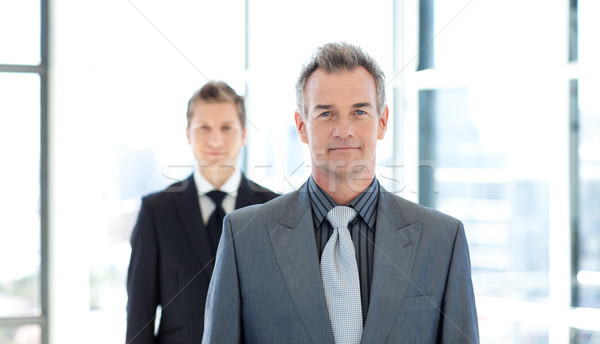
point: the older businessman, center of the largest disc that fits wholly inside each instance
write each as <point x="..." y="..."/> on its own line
<point x="341" y="260"/>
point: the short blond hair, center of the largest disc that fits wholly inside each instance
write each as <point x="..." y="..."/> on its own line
<point x="217" y="92"/>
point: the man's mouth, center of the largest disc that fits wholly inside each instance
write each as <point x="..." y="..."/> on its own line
<point x="342" y="148"/>
<point x="214" y="153"/>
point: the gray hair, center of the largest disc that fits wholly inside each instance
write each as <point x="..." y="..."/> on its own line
<point x="337" y="57"/>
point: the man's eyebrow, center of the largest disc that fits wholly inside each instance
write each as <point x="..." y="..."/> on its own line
<point x="362" y="105"/>
<point x="323" y="107"/>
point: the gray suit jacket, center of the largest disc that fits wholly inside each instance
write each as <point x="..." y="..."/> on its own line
<point x="267" y="287"/>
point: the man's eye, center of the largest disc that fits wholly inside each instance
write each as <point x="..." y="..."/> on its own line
<point x="227" y="128"/>
<point x="325" y="114"/>
<point x="360" y="112"/>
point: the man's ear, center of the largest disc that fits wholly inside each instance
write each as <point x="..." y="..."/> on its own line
<point x="301" y="127"/>
<point x="187" y="134"/>
<point x="382" y="123"/>
<point x="243" y="137"/>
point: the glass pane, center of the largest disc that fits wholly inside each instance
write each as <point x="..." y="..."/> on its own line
<point x="471" y="34"/>
<point x="449" y="35"/>
<point x="20" y="196"/>
<point x="588" y="275"/>
<point x="587" y="31"/>
<point x="579" y="336"/>
<point x="20" y="28"/>
<point x="21" y="334"/>
<point x="504" y="330"/>
<point x="470" y="170"/>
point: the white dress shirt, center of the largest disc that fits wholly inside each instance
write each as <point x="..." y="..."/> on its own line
<point x="230" y="187"/>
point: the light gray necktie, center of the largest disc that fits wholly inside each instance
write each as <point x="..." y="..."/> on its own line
<point x="340" y="279"/>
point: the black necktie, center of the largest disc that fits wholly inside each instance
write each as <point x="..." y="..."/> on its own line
<point x="215" y="221"/>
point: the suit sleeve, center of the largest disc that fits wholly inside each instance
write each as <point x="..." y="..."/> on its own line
<point x="142" y="279"/>
<point x="222" y="317"/>
<point x="459" y="324"/>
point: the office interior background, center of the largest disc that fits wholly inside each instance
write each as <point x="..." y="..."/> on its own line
<point x="495" y="119"/>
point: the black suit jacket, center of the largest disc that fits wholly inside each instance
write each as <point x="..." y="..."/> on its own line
<point x="172" y="262"/>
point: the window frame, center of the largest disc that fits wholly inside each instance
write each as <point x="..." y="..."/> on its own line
<point x="40" y="69"/>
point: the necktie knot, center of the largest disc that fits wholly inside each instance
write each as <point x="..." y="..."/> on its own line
<point x="217" y="197"/>
<point x="340" y="216"/>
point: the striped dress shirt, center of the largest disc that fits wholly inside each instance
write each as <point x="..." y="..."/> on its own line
<point x="362" y="230"/>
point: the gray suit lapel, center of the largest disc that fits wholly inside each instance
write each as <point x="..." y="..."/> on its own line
<point x="396" y="240"/>
<point x="293" y="241"/>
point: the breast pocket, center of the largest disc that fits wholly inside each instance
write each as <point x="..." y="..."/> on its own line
<point x="419" y="303"/>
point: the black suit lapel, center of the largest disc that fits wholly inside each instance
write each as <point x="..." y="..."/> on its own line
<point x="245" y="194"/>
<point x="188" y="210"/>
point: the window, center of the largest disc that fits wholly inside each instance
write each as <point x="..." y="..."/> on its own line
<point x="23" y="206"/>
<point x="122" y="73"/>
<point x="492" y="110"/>
<point x="479" y="114"/>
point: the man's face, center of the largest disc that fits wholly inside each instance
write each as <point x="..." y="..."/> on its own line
<point x="342" y="124"/>
<point x="216" y="134"/>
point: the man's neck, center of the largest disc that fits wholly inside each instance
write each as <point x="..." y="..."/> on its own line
<point x="343" y="190"/>
<point x="217" y="176"/>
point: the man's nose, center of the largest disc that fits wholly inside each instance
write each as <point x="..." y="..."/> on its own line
<point x="344" y="127"/>
<point x="215" y="138"/>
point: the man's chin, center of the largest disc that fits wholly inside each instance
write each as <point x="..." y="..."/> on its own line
<point x="346" y="168"/>
<point x="218" y="165"/>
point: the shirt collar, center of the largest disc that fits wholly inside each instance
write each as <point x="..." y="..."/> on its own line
<point x="365" y="203"/>
<point x="230" y="186"/>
